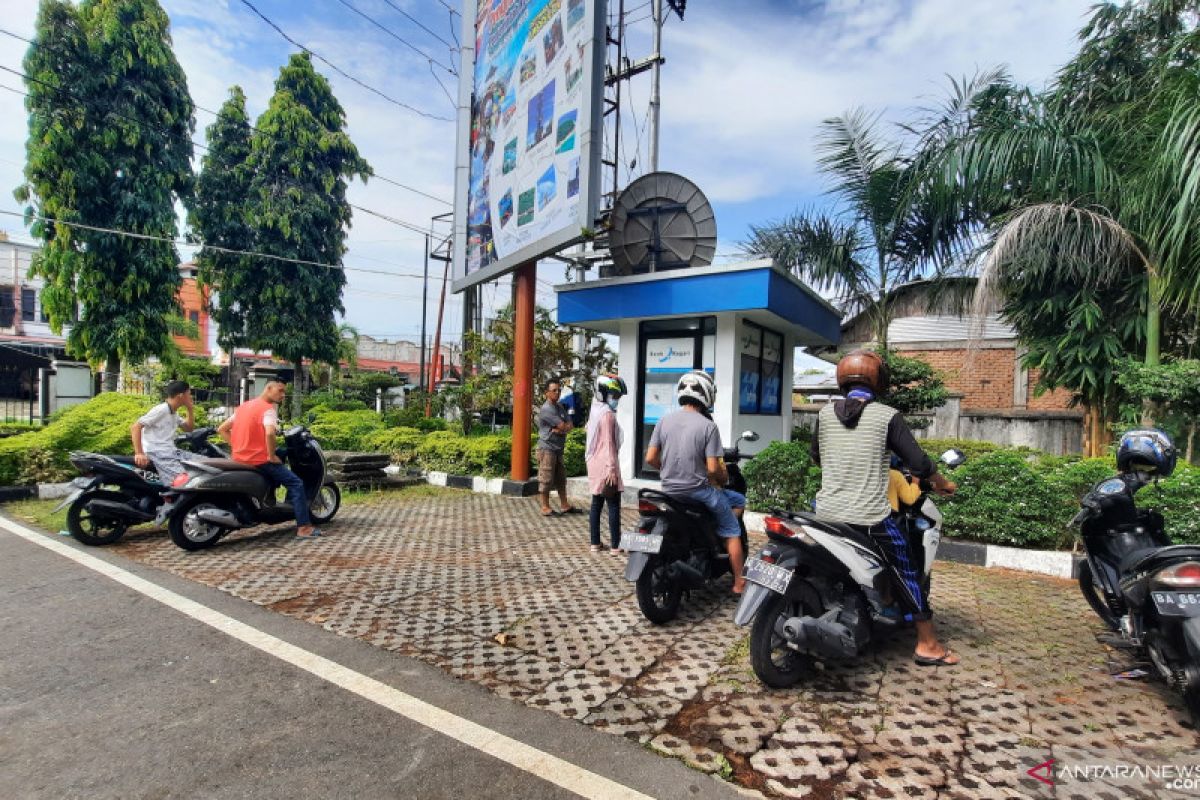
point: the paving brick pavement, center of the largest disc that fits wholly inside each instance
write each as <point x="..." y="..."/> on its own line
<point x="492" y="592"/>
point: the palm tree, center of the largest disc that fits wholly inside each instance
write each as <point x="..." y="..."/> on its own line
<point x="882" y="234"/>
<point x="1090" y="190"/>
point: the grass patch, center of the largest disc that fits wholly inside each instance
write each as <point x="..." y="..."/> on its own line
<point x="737" y="654"/>
<point x="38" y="512"/>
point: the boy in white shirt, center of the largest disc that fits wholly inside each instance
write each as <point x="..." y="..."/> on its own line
<point x="154" y="433"/>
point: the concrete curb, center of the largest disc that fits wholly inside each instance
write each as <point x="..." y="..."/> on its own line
<point x="1055" y="563"/>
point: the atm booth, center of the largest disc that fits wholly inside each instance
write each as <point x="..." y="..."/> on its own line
<point x="739" y="322"/>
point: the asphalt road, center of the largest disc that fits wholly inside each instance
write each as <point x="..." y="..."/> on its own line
<point x="105" y="692"/>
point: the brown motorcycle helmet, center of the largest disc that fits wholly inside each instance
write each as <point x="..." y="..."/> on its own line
<point x="862" y="368"/>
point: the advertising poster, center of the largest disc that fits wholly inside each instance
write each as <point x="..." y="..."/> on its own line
<point x="534" y="93"/>
<point x="666" y="360"/>
<point x="750" y="342"/>
<point x="772" y="372"/>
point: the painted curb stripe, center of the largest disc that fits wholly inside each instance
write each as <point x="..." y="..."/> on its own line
<point x="525" y="757"/>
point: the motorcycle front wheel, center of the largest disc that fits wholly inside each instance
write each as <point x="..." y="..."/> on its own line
<point x="326" y="504"/>
<point x="91" y="529"/>
<point x="776" y="664"/>
<point x="658" y="594"/>
<point x="188" y="530"/>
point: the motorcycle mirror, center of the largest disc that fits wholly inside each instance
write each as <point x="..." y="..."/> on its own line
<point x="750" y="436"/>
<point x="953" y="457"/>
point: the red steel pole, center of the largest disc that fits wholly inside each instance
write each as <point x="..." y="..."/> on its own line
<point x="525" y="289"/>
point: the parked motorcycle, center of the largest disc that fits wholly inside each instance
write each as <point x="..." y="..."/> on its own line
<point x="1144" y="588"/>
<point x="217" y="496"/>
<point x="114" y="494"/>
<point x="675" y="547"/>
<point x="818" y="589"/>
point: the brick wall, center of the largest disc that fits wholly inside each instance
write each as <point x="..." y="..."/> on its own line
<point x="1056" y="400"/>
<point x="984" y="377"/>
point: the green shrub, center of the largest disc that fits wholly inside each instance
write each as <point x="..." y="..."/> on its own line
<point x="400" y="443"/>
<point x="17" y="428"/>
<point x="413" y="416"/>
<point x="1003" y="499"/>
<point x="573" y="451"/>
<point x="345" y="430"/>
<point x="970" y="448"/>
<point x="782" y="476"/>
<point x="100" y="425"/>
<point x="445" y="451"/>
<point x="1178" y="498"/>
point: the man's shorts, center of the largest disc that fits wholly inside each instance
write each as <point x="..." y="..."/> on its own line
<point x="551" y="472"/>
<point x="721" y="503"/>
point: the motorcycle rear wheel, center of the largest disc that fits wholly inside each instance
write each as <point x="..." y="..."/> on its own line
<point x="1095" y="596"/>
<point x="92" y="530"/>
<point x="776" y="664"/>
<point x="190" y="532"/>
<point x="658" y="594"/>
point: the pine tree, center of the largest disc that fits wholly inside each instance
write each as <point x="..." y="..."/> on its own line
<point x="300" y="162"/>
<point x="110" y="147"/>
<point x="219" y="217"/>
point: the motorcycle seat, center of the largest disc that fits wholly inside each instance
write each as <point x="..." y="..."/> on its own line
<point x="224" y="463"/>
<point x="675" y="501"/>
<point x="1152" y="557"/>
<point x="846" y="531"/>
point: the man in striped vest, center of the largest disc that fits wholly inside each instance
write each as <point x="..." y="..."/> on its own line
<point x="856" y="435"/>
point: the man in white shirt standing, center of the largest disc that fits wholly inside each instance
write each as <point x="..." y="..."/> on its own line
<point x="154" y="433"/>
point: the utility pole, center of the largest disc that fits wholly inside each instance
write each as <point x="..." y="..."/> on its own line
<point x="424" y="310"/>
<point x="656" y="16"/>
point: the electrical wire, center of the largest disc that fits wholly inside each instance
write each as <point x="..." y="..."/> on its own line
<point x="395" y="221"/>
<point x="214" y="248"/>
<point x="421" y="25"/>
<point x="432" y="61"/>
<point x="338" y="69"/>
<point x="254" y="129"/>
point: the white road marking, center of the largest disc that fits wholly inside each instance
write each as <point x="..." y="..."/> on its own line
<point x="536" y="762"/>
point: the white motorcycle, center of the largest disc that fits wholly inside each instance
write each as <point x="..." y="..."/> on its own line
<point x="818" y="589"/>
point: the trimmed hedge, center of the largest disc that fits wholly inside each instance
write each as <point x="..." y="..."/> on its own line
<point x="1012" y="496"/>
<point x="100" y="425"/>
<point x="345" y="430"/>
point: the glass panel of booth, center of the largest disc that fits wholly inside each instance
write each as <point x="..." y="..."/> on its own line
<point x="761" y="370"/>
<point x="669" y="348"/>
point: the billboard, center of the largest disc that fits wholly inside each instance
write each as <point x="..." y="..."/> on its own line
<point x="529" y="132"/>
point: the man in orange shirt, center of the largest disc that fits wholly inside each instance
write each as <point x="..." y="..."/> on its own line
<point x="251" y="432"/>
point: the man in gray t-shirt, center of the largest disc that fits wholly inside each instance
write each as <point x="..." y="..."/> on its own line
<point x="553" y="424"/>
<point x="686" y="450"/>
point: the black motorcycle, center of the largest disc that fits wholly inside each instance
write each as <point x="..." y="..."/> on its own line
<point x="675" y="547"/>
<point x="115" y="494"/>
<point x="220" y="495"/>
<point x="1146" y="590"/>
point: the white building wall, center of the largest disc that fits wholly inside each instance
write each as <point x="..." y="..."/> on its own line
<point x="627" y="361"/>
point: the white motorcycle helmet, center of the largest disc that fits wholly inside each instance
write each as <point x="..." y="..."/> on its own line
<point x="698" y="386"/>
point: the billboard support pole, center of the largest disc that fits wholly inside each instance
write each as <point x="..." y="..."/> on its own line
<point x="424" y="312"/>
<point x="655" y="75"/>
<point x="525" y="289"/>
<point x="437" y="343"/>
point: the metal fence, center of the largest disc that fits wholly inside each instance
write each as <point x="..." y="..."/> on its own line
<point x="18" y="393"/>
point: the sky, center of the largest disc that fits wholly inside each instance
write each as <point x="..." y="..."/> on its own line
<point x="744" y="87"/>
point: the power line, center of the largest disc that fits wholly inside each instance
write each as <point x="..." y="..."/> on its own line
<point x="214" y="248"/>
<point x="383" y="178"/>
<point x="432" y="61"/>
<point x="395" y="221"/>
<point x="338" y="69"/>
<point x="421" y="25"/>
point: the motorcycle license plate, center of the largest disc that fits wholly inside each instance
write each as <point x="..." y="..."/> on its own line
<point x="774" y="578"/>
<point x="642" y="542"/>
<point x="1179" y="602"/>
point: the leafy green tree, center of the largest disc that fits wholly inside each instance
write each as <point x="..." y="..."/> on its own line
<point x="913" y="386"/>
<point x="1173" y="386"/>
<point x="219" y="217"/>
<point x="300" y="160"/>
<point x="884" y="231"/>
<point x="110" y="123"/>
<point x="1091" y="190"/>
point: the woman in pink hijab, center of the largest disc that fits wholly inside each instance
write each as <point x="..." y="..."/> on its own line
<point x="603" y="469"/>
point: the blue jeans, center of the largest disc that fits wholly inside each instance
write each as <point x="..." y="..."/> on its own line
<point x="280" y="475"/>
<point x="721" y="503"/>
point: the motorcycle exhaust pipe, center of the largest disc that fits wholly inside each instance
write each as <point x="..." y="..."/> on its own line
<point x="112" y="508"/>
<point x="217" y="516"/>
<point x="827" y="638"/>
<point x="684" y="572"/>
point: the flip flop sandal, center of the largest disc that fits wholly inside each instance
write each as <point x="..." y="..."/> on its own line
<point x="572" y="510"/>
<point x="316" y="534"/>
<point x="940" y="661"/>
<point x="550" y="513"/>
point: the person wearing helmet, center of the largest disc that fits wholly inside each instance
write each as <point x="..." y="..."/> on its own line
<point x="686" y="450"/>
<point x="603" y="470"/>
<point x="856" y="434"/>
